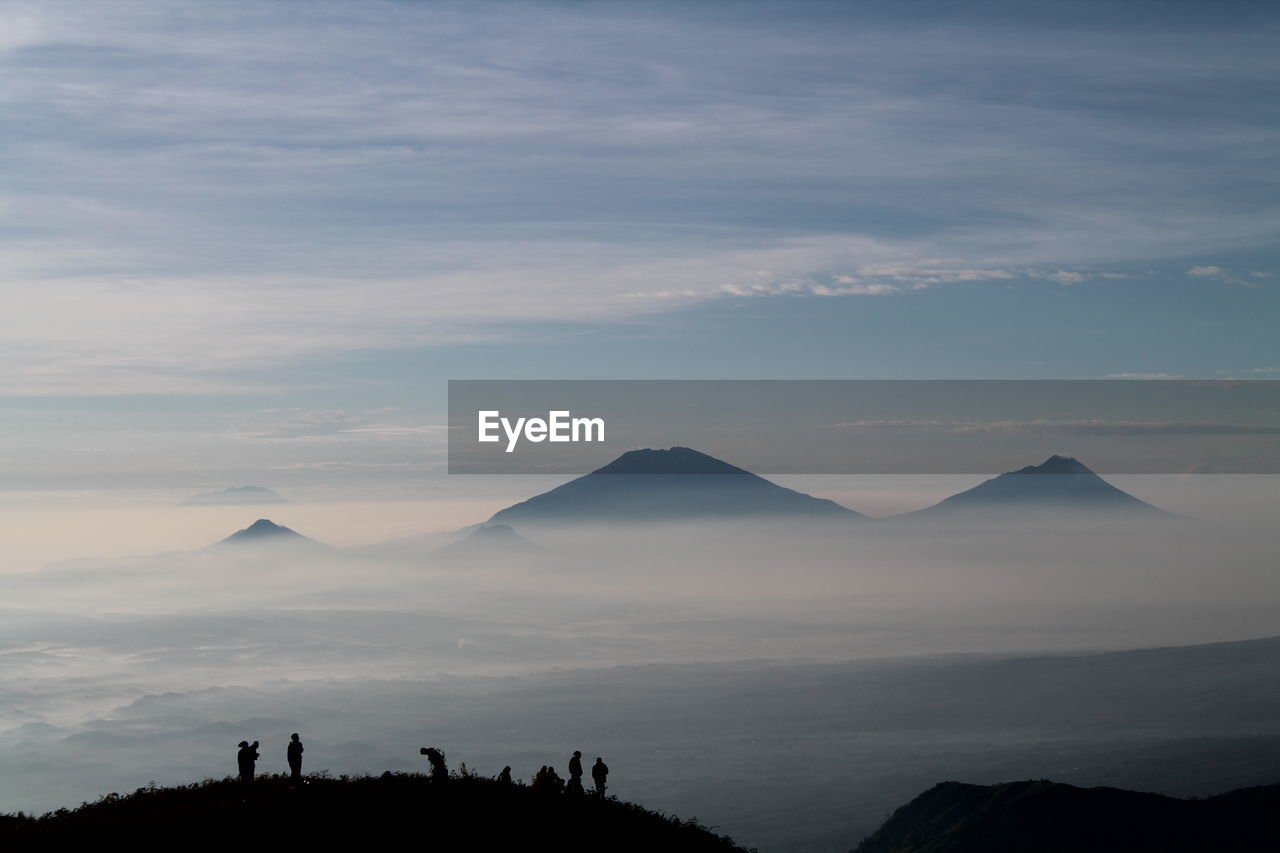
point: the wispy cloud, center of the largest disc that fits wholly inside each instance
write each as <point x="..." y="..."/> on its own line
<point x="337" y="425"/>
<point x="1065" y="277"/>
<point x="1070" y="427"/>
<point x="239" y="190"/>
<point x="1223" y="275"/>
<point x="343" y="465"/>
<point x="1256" y="373"/>
<point x="209" y="334"/>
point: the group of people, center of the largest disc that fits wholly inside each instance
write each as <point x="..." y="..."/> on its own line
<point x="545" y="779"/>
<point x="247" y="759"/>
<point x="548" y="779"/>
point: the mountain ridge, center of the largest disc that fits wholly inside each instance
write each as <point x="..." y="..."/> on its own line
<point x="368" y="812"/>
<point x="1052" y="817"/>
<point x="235" y="496"/>
<point x="1060" y="483"/>
<point x="678" y="483"/>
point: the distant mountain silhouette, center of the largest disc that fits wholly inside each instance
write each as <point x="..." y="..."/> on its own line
<point x="1058" y="483"/>
<point x="361" y="813"/>
<point x="667" y="485"/>
<point x="490" y="540"/>
<point x="267" y="532"/>
<point x="1050" y="817"/>
<point x="235" y="496"/>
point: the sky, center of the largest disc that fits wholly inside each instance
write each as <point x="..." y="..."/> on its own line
<point x="251" y="241"/>
<point x="241" y="239"/>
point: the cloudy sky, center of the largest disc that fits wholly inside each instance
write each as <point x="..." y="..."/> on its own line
<point x="249" y="242"/>
<point x="251" y="237"/>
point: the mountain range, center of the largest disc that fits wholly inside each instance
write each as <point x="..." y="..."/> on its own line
<point x="682" y="484"/>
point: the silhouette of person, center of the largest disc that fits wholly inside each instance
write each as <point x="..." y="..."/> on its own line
<point x="600" y="774"/>
<point x="575" y="774"/>
<point x="295" y="759"/>
<point x="439" y="772"/>
<point x="245" y="758"/>
<point x="505" y="776"/>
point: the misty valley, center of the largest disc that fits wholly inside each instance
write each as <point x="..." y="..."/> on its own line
<point x="773" y="663"/>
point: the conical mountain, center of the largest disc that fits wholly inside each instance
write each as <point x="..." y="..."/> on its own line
<point x="490" y="541"/>
<point x="267" y="532"/>
<point x="1058" y="483"/>
<point x="678" y="484"/>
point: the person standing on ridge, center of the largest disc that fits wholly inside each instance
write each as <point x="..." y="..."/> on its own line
<point x="600" y="774"/>
<point x="575" y="773"/>
<point x="245" y="759"/>
<point x="295" y="759"/>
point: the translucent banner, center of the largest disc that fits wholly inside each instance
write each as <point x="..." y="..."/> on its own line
<point x="868" y="427"/>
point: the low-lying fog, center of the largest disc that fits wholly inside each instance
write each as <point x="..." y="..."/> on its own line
<point x="702" y="661"/>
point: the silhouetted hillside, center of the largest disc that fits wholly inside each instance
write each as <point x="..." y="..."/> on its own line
<point x="1059" y="483"/>
<point x="1050" y="817"/>
<point x="667" y="485"/>
<point x="396" y="811"/>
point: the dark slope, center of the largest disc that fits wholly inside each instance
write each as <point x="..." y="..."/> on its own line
<point x="1050" y="817"/>
<point x="399" y="811"/>
<point x="1060" y="483"/>
<point x="668" y="485"/>
<point x="267" y="532"/>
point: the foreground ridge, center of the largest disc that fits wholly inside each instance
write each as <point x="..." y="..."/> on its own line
<point x="469" y="812"/>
